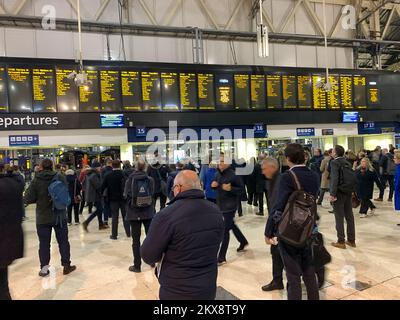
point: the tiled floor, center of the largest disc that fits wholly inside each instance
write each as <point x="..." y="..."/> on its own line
<point x="103" y="264"/>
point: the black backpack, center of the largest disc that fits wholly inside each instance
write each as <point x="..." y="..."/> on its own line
<point x="347" y="179"/>
<point x="142" y="191"/>
<point x="298" y="219"/>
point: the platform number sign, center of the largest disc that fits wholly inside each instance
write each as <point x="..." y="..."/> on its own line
<point x="141" y="131"/>
<point x="305" y="132"/>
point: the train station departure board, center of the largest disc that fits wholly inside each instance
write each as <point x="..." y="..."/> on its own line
<point x="242" y="92"/>
<point x="224" y="90"/>
<point x="360" y="92"/>
<point x="258" y="92"/>
<point x="188" y="91"/>
<point x="170" y="91"/>
<point x="89" y="94"/>
<point x="3" y="90"/>
<point x="206" y="91"/>
<point x="131" y="91"/>
<point x="110" y="90"/>
<point x="20" y="89"/>
<point x="373" y="93"/>
<point x="151" y="91"/>
<point x="346" y="91"/>
<point x="304" y="88"/>
<point x="66" y="90"/>
<point x="319" y="93"/>
<point x="333" y="96"/>
<point x="274" y="91"/>
<point x="44" y="95"/>
<point x="289" y="92"/>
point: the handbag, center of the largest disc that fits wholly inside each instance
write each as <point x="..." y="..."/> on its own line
<point x="355" y="201"/>
<point x="320" y="255"/>
<point x="77" y="198"/>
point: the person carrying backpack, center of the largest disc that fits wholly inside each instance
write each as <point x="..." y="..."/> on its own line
<point x="388" y="171"/>
<point x="342" y="186"/>
<point x="292" y="221"/>
<point x="140" y="209"/>
<point x="50" y="193"/>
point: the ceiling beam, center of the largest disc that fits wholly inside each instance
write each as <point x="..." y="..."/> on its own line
<point x="314" y="18"/>
<point x="290" y="16"/>
<point x="148" y="12"/>
<point x="100" y="11"/>
<point x="234" y="14"/>
<point x="19" y="7"/>
<point x="388" y="22"/>
<point x="171" y="12"/>
<point x="208" y="13"/>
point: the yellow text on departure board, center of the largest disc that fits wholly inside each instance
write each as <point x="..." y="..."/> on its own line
<point x="187" y="81"/>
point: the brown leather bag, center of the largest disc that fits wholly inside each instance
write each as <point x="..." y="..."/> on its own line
<point x="355" y="201"/>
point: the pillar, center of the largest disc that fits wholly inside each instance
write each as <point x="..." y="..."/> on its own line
<point x="126" y="152"/>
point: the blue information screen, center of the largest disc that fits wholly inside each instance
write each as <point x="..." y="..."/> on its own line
<point x="350" y="117"/>
<point x="24" y="140"/>
<point x="305" y="132"/>
<point x="112" y="120"/>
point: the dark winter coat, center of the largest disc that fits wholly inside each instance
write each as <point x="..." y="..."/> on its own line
<point x="133" y="213"/>
<point x="186" y="237"/>
<point x="227" y="200"/>
<point x="11" y="212"/>
<point x="366" y="180"/>
<point x="259" y="178"/>
<point x="113" y="186"/>
<point x="74" y="186"/>
<point x="170" y="183"/>
<point x="156" y="172"/>
<point x="93" y="187"/>
<point x="38" y="193"/>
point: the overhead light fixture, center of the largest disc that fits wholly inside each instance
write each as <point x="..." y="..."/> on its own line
<point x="262" y="36"/>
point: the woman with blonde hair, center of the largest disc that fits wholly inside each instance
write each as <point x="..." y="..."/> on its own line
<point x="366" y="176"/>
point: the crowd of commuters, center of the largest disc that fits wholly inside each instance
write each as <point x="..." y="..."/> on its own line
<point x="189" y="237"/>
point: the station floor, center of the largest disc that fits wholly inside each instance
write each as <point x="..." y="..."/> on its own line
<point x="371" y="271"/>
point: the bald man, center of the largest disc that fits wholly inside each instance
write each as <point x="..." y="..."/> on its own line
<point x="184" y="238"/>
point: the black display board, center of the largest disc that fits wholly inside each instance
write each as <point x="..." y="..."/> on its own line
<point x="188" y="91"/>
<point x="346" y="91"/>
<point x="151" y="91"/>
<point x="110" y="90"/>
<point x="44" y="93"/>
<point x="67" y="91"/>
<point x="131" y="91"/>
<point x="3" y="90"/>
<point x="374" y="95"/>
<point x="289" y="91"/>
<point x="224" y="91"/>
<point x="242" y="92"/>
<point x="258" y="92"/>
<point x="274" y="91"/>
<point x="170" y="91"/>
<point x="333" y="96"/>
<point x="360" y="91"/>
<point x="206" y="92"/>
<point x="319" y="93"/>
<point x="20" y="89"/>
<point x="89" y="94"/>
<point x="304" y="89"/>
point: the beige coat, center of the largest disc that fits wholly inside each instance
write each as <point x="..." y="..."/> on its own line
<point x="325" y="174"/>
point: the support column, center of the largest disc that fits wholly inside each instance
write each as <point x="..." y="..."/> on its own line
<point x="126" y="152"/>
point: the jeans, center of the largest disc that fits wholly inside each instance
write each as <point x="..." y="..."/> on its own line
<point x="75" y="206"/>
<point x="365" y="205"/>
<point x="44" y="234"/>
<point x="277" y="265"/>
<point x="344" y="211"/>
<point x="230" y="225"/>
<point x="298" y="264"/>
<point x="322" y="195"/>
<point x="384" y="180"/>
<point x="115" y="206"/>
<point x="4" y="290"/>
<point x="163" y="200"/>
<point x="136" y="230"/>
<point x="98" y="213"/>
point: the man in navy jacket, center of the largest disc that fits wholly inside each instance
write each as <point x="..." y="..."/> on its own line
<point x="184" y="238"/>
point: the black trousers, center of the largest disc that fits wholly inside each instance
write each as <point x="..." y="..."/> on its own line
<point x="136" y="230"/>
<point x="74" y="206"/>
<point x="98" y="213"/>
<point x="384" y="180"/>
<point x="115" y="207"/>
<point x="163" y="200"/>
<point x="230" y="225"/>
<point x="251" y="198"/>
<point x="365" y="205"/>
<point x="90" y="205"/>
<point x="260" y="197"/>
<point x="44" y="234"/>
<point x="344" y="211"/>
<point x="322" y="195"/>
<point x="298" y="264"/>
<point x="277" y="265"/>
<point x="4" y="290"/>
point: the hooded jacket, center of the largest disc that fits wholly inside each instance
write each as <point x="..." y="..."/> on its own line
<point x="38" y="193"/>
<point x="186" y="236"/>
<point x="93" y="187"/>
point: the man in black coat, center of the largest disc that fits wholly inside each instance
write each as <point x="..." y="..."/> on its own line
<point x="113" y="186"/>
<point x="11" y="234"/>
<point x="228" y="186"/>
<point x="106" y="205"/>
<point x="191" y="230"/>
<point x="159" y="173"/>
<point x="260" y="185"/>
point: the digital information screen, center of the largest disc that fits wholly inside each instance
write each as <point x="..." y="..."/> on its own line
<point x="19" y="89"/>
<point x="274" y="92"/>
<point x="360" y="92"/>
<point x="373" y="94"/>
<point x="319" y="94"/>
<point x="242" y="92"/>
<point x="258" y="92"/>
<point x="224" y="85"/>
<point x="188" y="91"/>
<point x="289" y="92"/>
<point x="3" y="91"/>
<point x="131" y="91"/>
<point x="346" y="91"/>
<point x="112" y="120"/>
<point x="350" y="117"/>
<point x="44" y="97"/>
<point x="170" y="91"/>
<point x="89" y="98"/>
<point x="67" y="90"/>
<point x="304" y="92"/>
<point x="110" y="90"/>
<point x="206" y="91"/>
<point x="151" y="91"/>
<point x="333" y="96"/>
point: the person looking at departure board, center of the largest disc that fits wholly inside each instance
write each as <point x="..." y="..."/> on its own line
<point x="159" y="172"/>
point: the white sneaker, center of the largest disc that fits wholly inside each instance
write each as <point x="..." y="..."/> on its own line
<point x="363" y="215"/>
